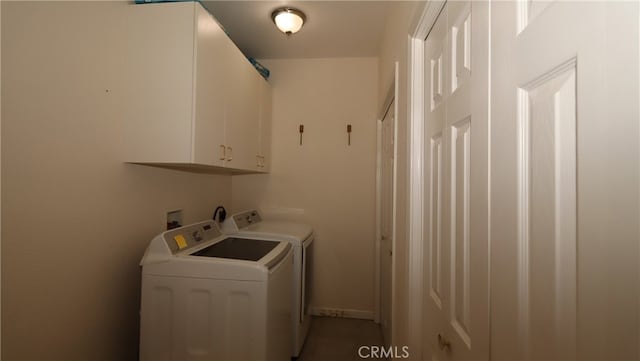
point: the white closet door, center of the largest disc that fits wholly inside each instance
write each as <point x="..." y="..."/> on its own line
<point x="436" y="231"/>
<point x="456" y="296"/>
<point x="564" y="171"/>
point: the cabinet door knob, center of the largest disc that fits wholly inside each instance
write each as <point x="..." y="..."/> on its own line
<point x="230" y="156"/>
<point x="223" y="152"/>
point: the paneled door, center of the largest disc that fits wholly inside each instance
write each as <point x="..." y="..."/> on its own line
<point x="565" y="184"/>
<point x="387" y="225"/>
<point x="456" y="289"/>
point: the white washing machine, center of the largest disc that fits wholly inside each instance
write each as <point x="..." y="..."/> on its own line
<point x="206" y="296"/>
<point x="251" y="224"/>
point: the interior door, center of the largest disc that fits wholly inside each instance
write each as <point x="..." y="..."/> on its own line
<point x="435" y="263"/>
<point x="456" y="288"/>
<point x="387" y="228"/>
<point x="564" y="169"/>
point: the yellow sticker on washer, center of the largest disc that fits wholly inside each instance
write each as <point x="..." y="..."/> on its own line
<point x="180" y="241"/>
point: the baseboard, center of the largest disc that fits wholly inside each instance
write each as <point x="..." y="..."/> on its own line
<point x="337" y="312"/>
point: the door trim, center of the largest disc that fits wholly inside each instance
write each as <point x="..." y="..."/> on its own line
<point x="419" y="31"/>
<point x="377" y="290"/>
<point x="392" y="96"/>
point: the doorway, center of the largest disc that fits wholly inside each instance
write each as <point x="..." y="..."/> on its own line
<point x="386" y="212"/>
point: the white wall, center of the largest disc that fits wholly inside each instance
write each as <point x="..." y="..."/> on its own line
<point x="393" y="49"/>
<point x="75" y="219"/>
<point x="333" y="183"/>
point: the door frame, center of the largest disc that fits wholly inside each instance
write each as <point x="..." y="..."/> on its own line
<point x="418" y="32"/>
<point x="391" y="98"/>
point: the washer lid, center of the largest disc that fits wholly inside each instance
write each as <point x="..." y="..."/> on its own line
<point x="238" y="248"/>
<point x="297" y="231"/>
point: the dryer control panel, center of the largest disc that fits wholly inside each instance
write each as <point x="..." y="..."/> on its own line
<point x="245" y="219"/>
<point x="193" y="235"/>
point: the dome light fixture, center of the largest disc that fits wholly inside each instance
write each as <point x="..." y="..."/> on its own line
<point x="288" y="20"/>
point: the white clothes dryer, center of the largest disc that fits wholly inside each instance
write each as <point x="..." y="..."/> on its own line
<point x="207" y="296"/>
<point x="250" y="224"/>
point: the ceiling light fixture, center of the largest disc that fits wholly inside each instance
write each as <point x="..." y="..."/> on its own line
<point x="288" y="20"/>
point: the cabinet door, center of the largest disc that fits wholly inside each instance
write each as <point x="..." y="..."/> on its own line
<point x="241" y="124"/>
<point x="159" y="70"/>
<point x="264" y="139"/>
<point x="212" y="52"/>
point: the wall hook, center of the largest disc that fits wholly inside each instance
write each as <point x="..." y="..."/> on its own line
<point x="349" y="134"/>
<point x="301" y="131"/>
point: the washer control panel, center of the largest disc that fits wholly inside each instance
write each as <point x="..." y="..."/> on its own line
<point x="186" y="237"/>
<point x="245" y="219"/>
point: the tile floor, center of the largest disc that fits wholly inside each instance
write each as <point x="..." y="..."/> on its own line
<point x="338" y="339"/>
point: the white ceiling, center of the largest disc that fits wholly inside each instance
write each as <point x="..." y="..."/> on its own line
<point x="333" y="28"/>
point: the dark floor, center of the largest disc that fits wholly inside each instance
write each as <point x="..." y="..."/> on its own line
<point x="338" y="339"/>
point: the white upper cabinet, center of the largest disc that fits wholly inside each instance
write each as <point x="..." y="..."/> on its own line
<point x="195" y="99"/>
<point x="263" y="159"/>
<point x="213" y="54"/>
<point x="242" y="114"/>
